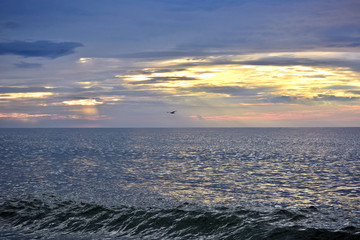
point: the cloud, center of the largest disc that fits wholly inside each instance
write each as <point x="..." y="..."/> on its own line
<point x="23" y="89"/>
<point x="319" y="98"/>
<point x="317" y="76"/>
<point x="46" y="49"/>
<point x="28" y="117"/>
<point x="152" y="71"/>
<point x="168" y="54"/>
<point x="283" y="99"/>
<point x="268" y="61"/>
<point x="288" y="61"/>
<point x="323" y="97"/>
<point x="230" y="90"/>
<point x="341" y="87"/>
<point x="281" y="61"/>
<point x="28" y="65"/>
<point x="293" y="61"/>
<point x="153" y="80"/>
<point x="355" y="92"/>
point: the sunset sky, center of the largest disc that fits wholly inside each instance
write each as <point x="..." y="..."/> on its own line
<point x="219" y="63"/>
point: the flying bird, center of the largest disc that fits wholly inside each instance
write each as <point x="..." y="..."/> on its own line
<point x="172" y="112"/>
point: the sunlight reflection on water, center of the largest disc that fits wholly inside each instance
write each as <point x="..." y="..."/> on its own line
<point x="287" y="167"/>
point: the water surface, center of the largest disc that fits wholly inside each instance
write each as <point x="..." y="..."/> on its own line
<point x="242" y="183"/>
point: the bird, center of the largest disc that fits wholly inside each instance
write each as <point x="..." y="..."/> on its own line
<point x="172" y="112"/>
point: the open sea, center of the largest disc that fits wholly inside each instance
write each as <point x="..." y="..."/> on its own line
<point x="185" y="183"/>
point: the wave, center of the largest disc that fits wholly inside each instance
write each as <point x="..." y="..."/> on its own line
<point x="52" y="218"/>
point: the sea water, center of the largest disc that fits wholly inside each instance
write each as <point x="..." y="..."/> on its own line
<point x="195" y="183"/>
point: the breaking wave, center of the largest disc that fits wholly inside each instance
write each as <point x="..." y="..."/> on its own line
<point x="53" y="218"/>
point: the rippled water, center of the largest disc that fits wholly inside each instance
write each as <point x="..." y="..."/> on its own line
<point x="234" y="183"/>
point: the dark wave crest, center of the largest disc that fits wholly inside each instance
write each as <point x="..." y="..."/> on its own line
<point x="51" y="218"/>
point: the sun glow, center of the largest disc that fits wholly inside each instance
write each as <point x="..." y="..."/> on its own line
<point x="296" y="81"/>
<point x="83" y="102"/>
<point x="84" y="60"/>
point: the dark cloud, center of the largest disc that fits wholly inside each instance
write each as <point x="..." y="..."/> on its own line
<point x="23" y="89"/>
<point x="280" y="61"/>
<point x="323" y="97"/>
<point x="46" y="49"/>
<point x="170" y="54"/>
<point x="283" y="99"/>
<point x="230" y="90"/>
<point x="286" y="61"/>
<point x="354" y="92"/>
<point x="268" y="61"/>
<point x="96" y="93"/>
<point x="317" y="76"/>
<point x="341" y="87"/>
<point x="302" y="100"/>
<point x="163" y="79"/>
<point x="319" y="98"/>
<point x="151" y="71"/>
<point x="70" y="90"/>
<point x="28" y="65"/>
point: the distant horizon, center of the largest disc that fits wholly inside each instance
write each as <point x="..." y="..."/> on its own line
<point x="155" y="127"/>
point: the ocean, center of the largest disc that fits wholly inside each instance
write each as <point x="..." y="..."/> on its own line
<point x="180" y="183"/>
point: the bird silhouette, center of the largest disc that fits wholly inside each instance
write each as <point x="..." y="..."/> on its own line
<point x="172" y="112"/>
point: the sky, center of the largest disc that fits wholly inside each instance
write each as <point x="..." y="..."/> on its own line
<point x="218" y="63"/>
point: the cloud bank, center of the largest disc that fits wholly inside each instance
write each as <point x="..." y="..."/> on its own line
<point x="45" y="49"/>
